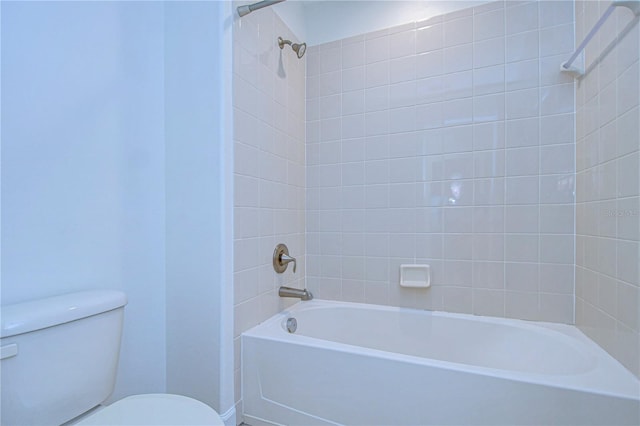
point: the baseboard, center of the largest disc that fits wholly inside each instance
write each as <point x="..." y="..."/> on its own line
<point x="229" y="416"/>
<point x="255" y="421"/>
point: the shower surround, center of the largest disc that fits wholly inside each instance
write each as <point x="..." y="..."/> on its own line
<point x="608" y="184"/>
<point x="448" y="142"/>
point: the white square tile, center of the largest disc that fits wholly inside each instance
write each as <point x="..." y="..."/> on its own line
<point x="557" y="189"/>
<point x="429" y="116"/>
<point x="377" y="123"/>
<point x="557" y="219"/>
<point x="458" y="246"/>
<point x="430" y="64"/>
<point x="458" y="273"/>
<point x="556" y="308"/>
<point x="330" y="60"/>
<point x="353" y="79"/>
<point x="457" y="112"/>
<point x="488" y="53"/>
<point x="429" y="220"/>
<point x="521" y="277"/>
<point x="402" y="69"/>
<point x="522" y="190"/>
<point x="521" y="248"/>
<point x="556" y="40"/>
<point x="488" y="191"/>
<point x="353" y="55"/>
<point x="376" y="50"/>
<point x="554" y="13"/>
<point x="352" y="126"/>
<point x="522" y="18"/>
<point x="522" y="74"/>
<point x="489" y="25"/>
<point x="457" y="139"/>
<point x="523" y="132"/>
<point x="377" y="74"/>
<point x="458" y="58"/>
<point x="558" y="279"/>
<point x="522" y="161"/>
<point x="488" y="247"/>
<point x="429" y="38"/>
<point x="402" y="120"/>
<point x="488" y="135"/>
<point x="522" y="104"/>
<point x="522" y="219"/>
<point x="402" y="43"/>
<point x="402" y="94"/>
<point x="488" y="80"/>
<point x="353" y="102"/>
<point x="429" y="90"/>
<point x="376" y="98"/>
<point x="628" y="181"/>
<point x="557" y="248"/>
<point x="458" y="31"/>
<point x="457" y="85"/>
<point x="488" y="108"/>
<point x="557" y="129"/>
<point x="557" y="159"/>
<point x="522" y="46"/>
<point x="488" y="302"/>
<point x="628" y="86"/>
<point x="458" y="219"/>
<point x="490" y="163"/>
<point x="458" y="166"/>
<point x="488" y="275"/>
<point x="557" y="99"/>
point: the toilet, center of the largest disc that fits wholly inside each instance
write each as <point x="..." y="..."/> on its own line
<point x="59" y="358"/>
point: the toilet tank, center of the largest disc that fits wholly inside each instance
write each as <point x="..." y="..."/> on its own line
<point x="59" y="356"/>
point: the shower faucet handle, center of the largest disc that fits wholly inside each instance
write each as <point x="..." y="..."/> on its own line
<point x="281" y="259"/>
<point x="285" y="258"/>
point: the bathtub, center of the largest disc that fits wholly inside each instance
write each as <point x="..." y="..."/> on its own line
<point x="357" y="364"/>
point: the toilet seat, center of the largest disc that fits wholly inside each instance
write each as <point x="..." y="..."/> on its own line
<point x="154" y="409"/>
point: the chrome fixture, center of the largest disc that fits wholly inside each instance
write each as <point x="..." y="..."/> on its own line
<point x="292" y="325"/>
<point x="303" y="294"/>
<point x="298" y="48"/>
<point x="248" y="8"/>
<point x="281" y="259"/>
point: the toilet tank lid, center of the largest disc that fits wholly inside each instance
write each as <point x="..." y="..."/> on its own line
<point x="37" y="314"/>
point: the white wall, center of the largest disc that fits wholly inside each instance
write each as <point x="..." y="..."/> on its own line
<point x="83" y="164"/>
<point x="318" y="22"/>
<point x="115" y="157"/>
<point x="608" y="184"/>
<point x="447" y="142"/>
<point x="198" y="231"/>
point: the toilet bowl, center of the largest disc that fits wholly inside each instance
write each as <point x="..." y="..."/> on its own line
<point x="156" y="409"/>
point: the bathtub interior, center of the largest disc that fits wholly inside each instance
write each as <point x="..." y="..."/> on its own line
<point x="480" y="341"/>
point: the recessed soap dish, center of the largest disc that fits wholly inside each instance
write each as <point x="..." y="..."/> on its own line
<point x="415" y="276"/>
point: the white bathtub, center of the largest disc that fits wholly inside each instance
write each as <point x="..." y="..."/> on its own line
<point x="357" y="364"/>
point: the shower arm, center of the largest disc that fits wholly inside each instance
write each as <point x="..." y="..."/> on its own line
<point x="248" y="8"/>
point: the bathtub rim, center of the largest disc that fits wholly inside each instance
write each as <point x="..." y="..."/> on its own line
<point x="626" y="385"/>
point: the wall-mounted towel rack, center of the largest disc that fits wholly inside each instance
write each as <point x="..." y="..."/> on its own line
<point x="633" y="5"/>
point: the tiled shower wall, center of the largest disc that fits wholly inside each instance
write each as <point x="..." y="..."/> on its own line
<point x="269" y="174"/>
<point x="448" y="142"/>
<point x="608" y="181"/>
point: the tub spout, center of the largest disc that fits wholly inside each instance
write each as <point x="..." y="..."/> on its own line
<point x="303" y="294"/>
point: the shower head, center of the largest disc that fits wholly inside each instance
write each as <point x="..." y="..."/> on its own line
<point x="298" y="48"/>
